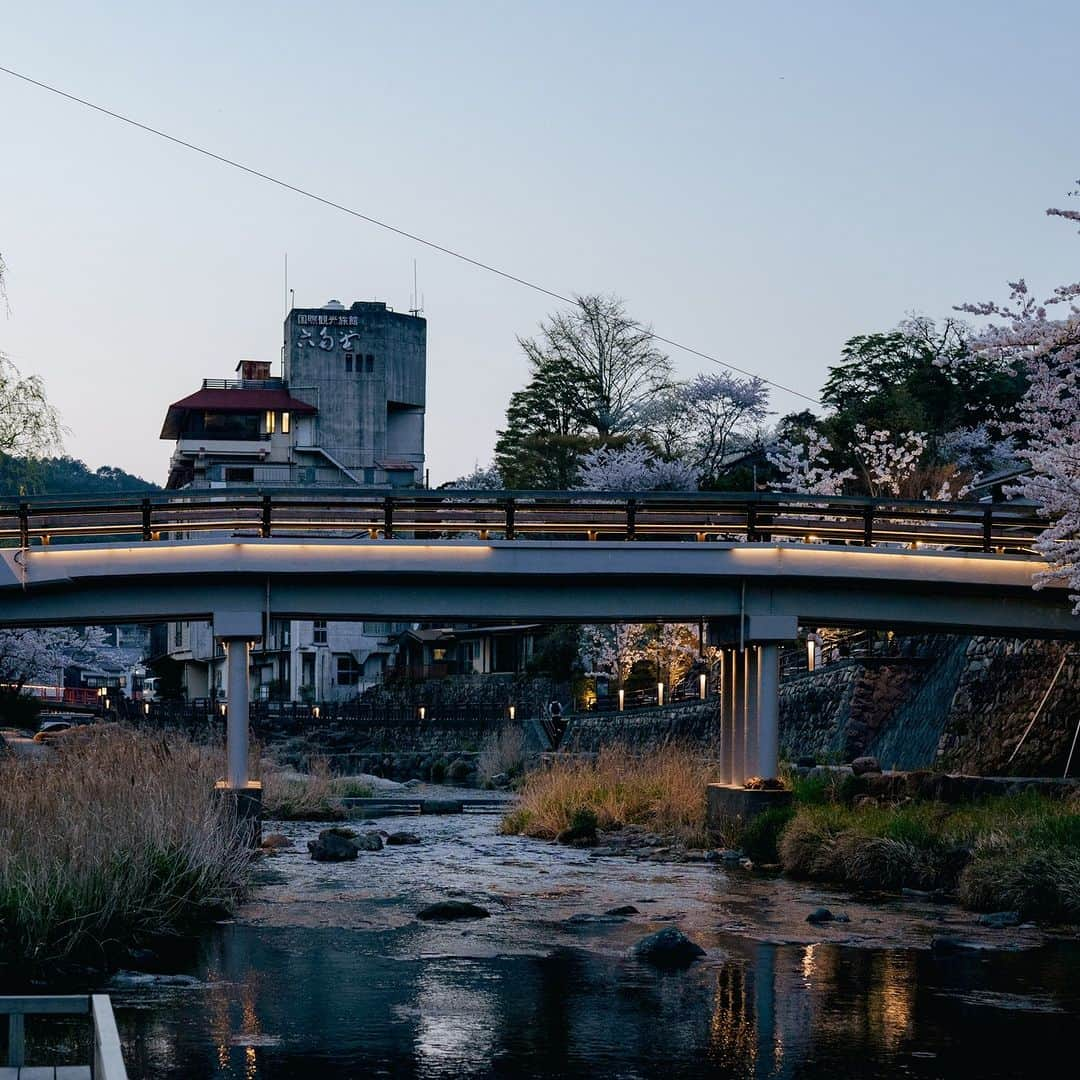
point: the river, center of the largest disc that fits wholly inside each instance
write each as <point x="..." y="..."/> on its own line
<point x="327" y="973"/>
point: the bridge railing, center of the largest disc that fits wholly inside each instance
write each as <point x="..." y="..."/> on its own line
<point x="521" y="515"/>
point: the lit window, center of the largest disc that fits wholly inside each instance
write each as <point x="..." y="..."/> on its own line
<point x="270" y="422"/>
<point x="285" y="423"/>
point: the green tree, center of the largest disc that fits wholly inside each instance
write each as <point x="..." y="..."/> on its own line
<point x="592" y="371"/>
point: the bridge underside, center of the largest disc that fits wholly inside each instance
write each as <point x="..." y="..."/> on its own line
<point x="533" y="581"/>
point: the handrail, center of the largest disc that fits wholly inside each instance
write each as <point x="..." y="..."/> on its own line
<point x="521" y="515"/>
<point x="108" y="1061"/>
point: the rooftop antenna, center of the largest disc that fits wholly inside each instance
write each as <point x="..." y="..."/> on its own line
<point x="417" y="303"/>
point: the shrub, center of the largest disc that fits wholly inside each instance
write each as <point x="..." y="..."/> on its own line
<point x="761" y="834"/>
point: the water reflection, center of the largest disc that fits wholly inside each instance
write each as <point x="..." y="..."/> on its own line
<point x="286" y="1002"/>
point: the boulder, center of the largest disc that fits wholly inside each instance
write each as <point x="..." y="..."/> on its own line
<point x="451" y="910"/>
<point x="578" y="836"/>
<point x="862" y="765"/>
<point x="331" y="846"/>
<point x="399" y="838"/>
<point x="459" y="769"/>
<point x="1000" y="919"/>
<point x="622" y="909"/>
<point x="820" y="915"/>
<point x="369" y="841"/>
<point x="667" y="948"/>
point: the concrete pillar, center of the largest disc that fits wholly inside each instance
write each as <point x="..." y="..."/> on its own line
<point x="238" y="654"/>
<point x="752" y="667"/>
<point x="769" y="711"/>
<point x="738" y="765"/>
<point x="723" y="717"/>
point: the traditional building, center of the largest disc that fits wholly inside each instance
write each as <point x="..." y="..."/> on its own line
<point x="346" y="412"/>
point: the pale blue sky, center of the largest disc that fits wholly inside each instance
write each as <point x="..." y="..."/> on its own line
<point x="759" y="181"/>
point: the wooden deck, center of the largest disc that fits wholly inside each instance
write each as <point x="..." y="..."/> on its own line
<point x="108" y="1062"/>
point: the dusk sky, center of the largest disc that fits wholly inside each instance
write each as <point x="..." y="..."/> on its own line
<point x="757" y="181"/>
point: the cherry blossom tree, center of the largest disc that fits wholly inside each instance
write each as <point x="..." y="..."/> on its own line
<point x="480" y="479"/>
<point x="612" y="649"/>
<point x="888" y="461"/>
<point x="634" y="468"/>
<point x="33" y="655"/>
<point x="805" y="468"/>
<point x="1042" y="337"/>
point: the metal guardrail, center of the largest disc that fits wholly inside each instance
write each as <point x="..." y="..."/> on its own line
<point x="108" y="1061"/>
<point x="523" y="515"/>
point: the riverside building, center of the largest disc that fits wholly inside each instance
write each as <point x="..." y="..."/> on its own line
<point x="347" y="411"/>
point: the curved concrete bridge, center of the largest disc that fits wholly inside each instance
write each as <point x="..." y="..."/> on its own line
<point x="753" y="566"/>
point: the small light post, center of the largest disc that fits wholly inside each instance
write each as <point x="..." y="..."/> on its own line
<point x="315" y="712"/>
<point x="703" y="685"/>
<point x="811" y="654"/>
<point x="512" y="711"/>
<point x="422" y="712"/>
<point x="622" y="699"/>
<point x="146" y="708"/>
<point x="660" y="694"/>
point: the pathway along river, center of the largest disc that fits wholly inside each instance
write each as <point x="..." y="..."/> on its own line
<point x="327" y="973"/>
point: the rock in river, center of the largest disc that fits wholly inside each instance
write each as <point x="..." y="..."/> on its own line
<point x="333" y="846"/>
<point x="396" y="838"/>
<point x="448" y="910"/>
<point x="668" y="948"/>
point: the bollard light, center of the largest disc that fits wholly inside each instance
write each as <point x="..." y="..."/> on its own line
<point x="222" y="708"/>
<point x="422" y="711"/>
<point x="107" y="705"/>
<point x="811" y="654"/>
<point x="703" y="680"/>
<point x="513" y="711"/>
<point x="146" y="708"/>
<point x="660" y="693"/>
<point x="315" y="711"/>
<point x="622" y="700"/>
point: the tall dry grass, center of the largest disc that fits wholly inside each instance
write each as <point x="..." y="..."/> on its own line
<point x="502" y="752"/>
<point x="113" y="835"/>
<point x="664" y="791"/>
<point x="314" y="795"/>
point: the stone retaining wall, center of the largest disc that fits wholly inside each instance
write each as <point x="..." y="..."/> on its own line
<point x="644" y="729"/>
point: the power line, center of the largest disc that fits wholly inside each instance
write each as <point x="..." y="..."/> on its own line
<point x="221" y="159"/>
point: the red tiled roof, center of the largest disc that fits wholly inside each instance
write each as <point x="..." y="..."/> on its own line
<point x="234" y="401"/>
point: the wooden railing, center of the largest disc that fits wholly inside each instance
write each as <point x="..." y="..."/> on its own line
<point x="522" y="515"/>
<point x="108" y="1061"/>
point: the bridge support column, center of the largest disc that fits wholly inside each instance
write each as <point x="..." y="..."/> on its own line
<point x="238" y="658"/>
<point x="725" y="715"/>
<point x="768" y="710"/>
<point x="751" y="655"/>
<point x="238" y="630"/>
<point x="738" y="716"/>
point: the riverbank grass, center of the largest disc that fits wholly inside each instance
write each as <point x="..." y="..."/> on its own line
<point x="1017" y="853"/>
<point x="664" y="791"/>
<point x="314" y="795"/>
<point x="112" y="836"/>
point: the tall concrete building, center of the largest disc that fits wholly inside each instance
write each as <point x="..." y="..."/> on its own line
<point x="347" y="411"/>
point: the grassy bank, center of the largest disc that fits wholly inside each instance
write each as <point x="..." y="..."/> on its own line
<point x="664" y="791"/>
<point x="113" y="836"/>
<point x="1017" y="853"/>
<point x="312" y="796"/>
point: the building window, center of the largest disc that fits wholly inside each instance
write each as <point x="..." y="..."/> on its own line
<point x="369" y="365"/>
<point x="320" y="632"/>
<point x="348" y="361"/>
<point x="285" y="423"/>
<point x="349" y="672"/>
<point x="238" y="475"/>
<point x="270" y="425"/>
<point x="178" y="635"/>
<point x="376" y="629"/>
